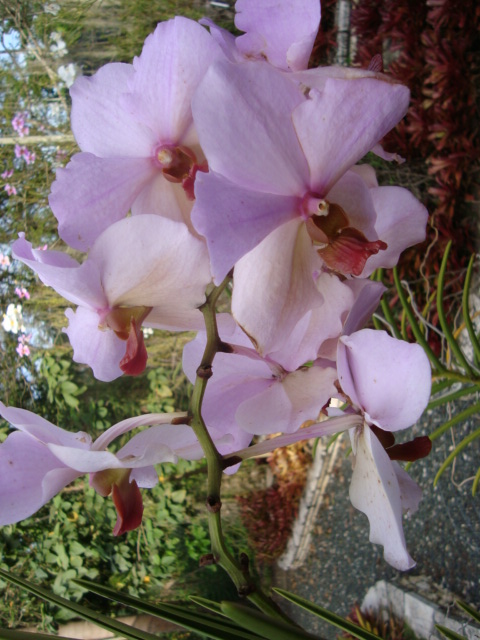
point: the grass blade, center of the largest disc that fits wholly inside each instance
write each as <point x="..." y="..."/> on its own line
<point x="448" y="633"/>
<point x="458" y="449"/>
<point x="469" y="609"/>
<point x="14" y="634"/>
<point x="466" y="311"/>
<point x="461" y="360"/>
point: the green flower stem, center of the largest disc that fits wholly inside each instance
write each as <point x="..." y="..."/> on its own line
<point x="237" y="570"/>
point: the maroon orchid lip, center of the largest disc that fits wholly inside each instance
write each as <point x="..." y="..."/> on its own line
<point x="409" y="451"/>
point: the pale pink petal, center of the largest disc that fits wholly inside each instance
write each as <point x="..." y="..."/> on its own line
<point x="285" y="404"/>
<point x="163" y="198"/>
<point x="374" y="490"/>
<point x="80" y="284"/>
<point x="260" y="153"/>
<point x="410" y="492"/>
<point x="401" y="223"/>
<point x="367" y="297"/>
<point x="353" y="195"/>
<point x="100" y="122"/>
<point x="339" y="125"/>
<point x="151" y="261"/>
<point x="281" y="32"/>
<point x="224" y="39"/>
<point x="99" y="349"/>
<point x="42" y="429"/>
<point x="389" y="380"/>
<point x="173" y="61"/>
<point x="120" y="428"/>
<point x="91" y="193"/>
<point x="274" y="286"/>
<point x="235" y="220"/>
<point x="321" y="324"/>
<point x="29" y="477"/>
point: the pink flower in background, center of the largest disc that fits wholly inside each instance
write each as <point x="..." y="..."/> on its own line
<point x="19" y="124"/>
<point x="23" y="152"/>
<point x="22" y="293"/>
<point x="7" y="174"/>
<point x="10" y="189"/>
<point x="4" y="261"/>
<point x="22" y="347"/>
<point x="134" y="126"/>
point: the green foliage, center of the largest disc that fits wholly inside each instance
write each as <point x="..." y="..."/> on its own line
<point x="71" y="538"/>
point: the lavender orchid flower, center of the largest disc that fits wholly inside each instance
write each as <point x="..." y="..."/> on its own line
<point x="142" y="270"/>
<point x="39" y="459"/>
<point x="134" y="126"/>
<point x="388" y="381"/>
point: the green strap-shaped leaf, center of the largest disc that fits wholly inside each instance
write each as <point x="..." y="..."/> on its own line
<point x="263" y="625"/>
<point x="458" y="449"/>
<point x="387" y="311"/>
<point x="448" y="633"/>
<point x="115" y="627"/>
<point x="14" y="634"/>
<point x="417" y="332"/>
<point x="476" y="480"/>
<point x="450" y="397"/>
<point x="328" y="616"/>
<point x="466" y="311"/>
<point x="455" y="347"/>
<point x="207" y="624"/>
<point x="211" y="605"/>
<point x="469" y="609"/>
<point x="460" y="417"/>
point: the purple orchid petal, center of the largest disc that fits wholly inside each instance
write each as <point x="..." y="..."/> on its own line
<point x="173" y="61"/>
<point x="286" y="404"/>
<point x="389" y="380"/>
<point x="367" y="297"/>
<point x="165" y="199"/>
<point x="282" y="268"/>
<point x="259" y="153"/>
<point x="100" y="350"/>
<point x="100" y="122"/>
<point x="401" y="222"/>
<point x="345" y="120"/>
<point x="281" y="32"/>
<point x="375" y="491"/>
<point x="84" y="212"/>
<point x="29" y="477"/>
<point x="224" y="212"/>
<point x="80" y="284"/>
<point x="354" y="197"/>
<point x="42" y="429"/>
<point x="148" y="261"/>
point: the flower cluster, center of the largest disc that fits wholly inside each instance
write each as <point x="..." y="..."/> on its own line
<point x="211" y="155"/>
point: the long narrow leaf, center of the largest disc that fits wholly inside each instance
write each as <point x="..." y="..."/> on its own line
<point x="460" y="417"/>
<point x="115" y="627"/>
<point x="458" y="449"/>
<point x="211" y="605"/>
<point x="214" y="627"/>
<point x="417" y="332"/>
<point x="263" y="625"/>
<point x="386" y="309"/>
<point x="15" y="634"/>
<point x="454" y="395"/>
<point x="448" y="633"/>
<point x="476" y="480"/>
<point x="469" y="609"/>
<point x="466" y="311"/>
<point x="328" y="616"/>
<point x="455" y="347"/>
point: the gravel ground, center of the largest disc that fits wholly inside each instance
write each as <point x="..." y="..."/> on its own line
<point x="443" y="537"/>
